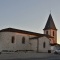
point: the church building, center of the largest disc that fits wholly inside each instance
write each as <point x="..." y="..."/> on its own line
<point x="12" y="39"/>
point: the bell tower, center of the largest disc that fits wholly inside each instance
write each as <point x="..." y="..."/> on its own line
<point x="50" y="29"/>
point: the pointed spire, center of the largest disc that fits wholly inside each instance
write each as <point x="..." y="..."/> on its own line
<point x="50" y="23"/>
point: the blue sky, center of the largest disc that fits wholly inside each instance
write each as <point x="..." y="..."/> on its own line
<point x="29" y="15"/>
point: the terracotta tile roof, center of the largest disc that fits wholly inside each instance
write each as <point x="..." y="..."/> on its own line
<point x="23" y="32"/>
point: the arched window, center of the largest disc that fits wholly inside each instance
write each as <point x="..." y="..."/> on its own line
<point x="44" y="44"/>
<point x="12" y="40"/>
<point x="47" y="32"/>
<point x="23" y="40"/>
<point x="53" y="33"/>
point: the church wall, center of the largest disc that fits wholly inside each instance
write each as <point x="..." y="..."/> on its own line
<point x="37" y="44"/>
<point x="55" y="35"/>
<point x="47" y="44"/>
<point x="33" y="44"/>
<point x="6" y="43"/>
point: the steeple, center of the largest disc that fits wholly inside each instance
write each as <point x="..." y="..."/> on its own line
<point x="50" y="23"/>
<point x="50" y="29"/>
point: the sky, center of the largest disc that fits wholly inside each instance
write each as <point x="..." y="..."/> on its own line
<point x="30" y="15"/>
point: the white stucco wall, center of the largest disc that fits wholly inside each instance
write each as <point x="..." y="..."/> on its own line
<point x="6" y="44"/>
<point x="47" y="44"/>
<point x="33" y="44"/>
<point x="39" y="42"/>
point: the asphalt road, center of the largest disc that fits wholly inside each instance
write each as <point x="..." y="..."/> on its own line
<point x="52" y="57"/>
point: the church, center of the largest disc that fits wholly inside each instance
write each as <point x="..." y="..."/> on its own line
<point x="15" y="40"/>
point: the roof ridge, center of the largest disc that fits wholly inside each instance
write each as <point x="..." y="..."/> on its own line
<point x="23" y="32"/>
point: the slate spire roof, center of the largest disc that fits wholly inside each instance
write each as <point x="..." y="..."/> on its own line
<point x="50" y="23"/>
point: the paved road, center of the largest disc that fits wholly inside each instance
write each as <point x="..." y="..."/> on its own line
<point x="53" y="57"/>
